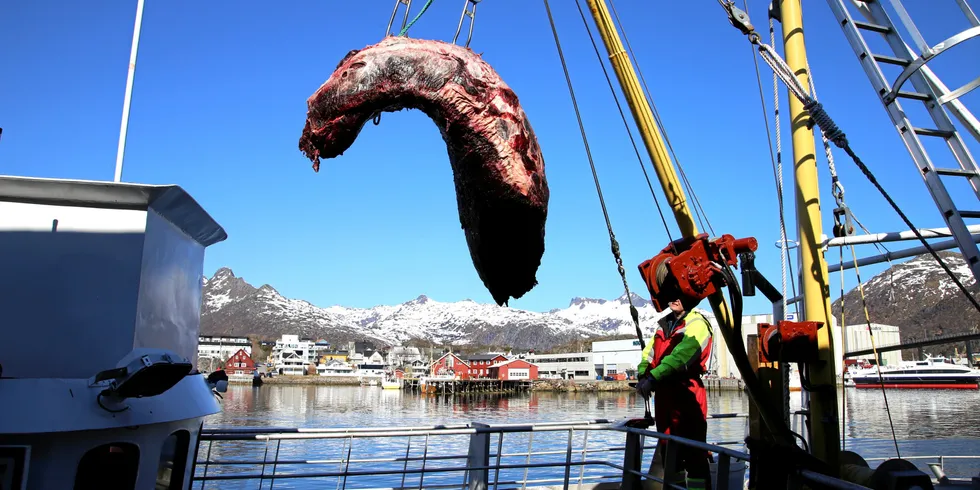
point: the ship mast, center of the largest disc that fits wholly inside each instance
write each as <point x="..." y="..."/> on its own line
<point x="824" y="429"/>
<point x="654" y="143"/>
<point x="823" y="406"/>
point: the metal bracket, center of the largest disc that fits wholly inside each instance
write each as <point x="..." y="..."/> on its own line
<point x="394" y="12"/>
<point x="467" y="12"/>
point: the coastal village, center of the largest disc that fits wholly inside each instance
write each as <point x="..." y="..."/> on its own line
<point x="292" y="359"/>
<point x="365" y="363"/>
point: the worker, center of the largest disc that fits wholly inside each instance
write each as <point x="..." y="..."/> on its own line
<point x="671" y="369"/>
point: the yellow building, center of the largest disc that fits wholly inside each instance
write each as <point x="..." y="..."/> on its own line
<point x="333" y="356"/>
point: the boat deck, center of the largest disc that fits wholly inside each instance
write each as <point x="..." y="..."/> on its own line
<point x="588" y="454"/>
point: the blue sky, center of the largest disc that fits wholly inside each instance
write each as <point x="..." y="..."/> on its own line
<point x="220" y="100"/>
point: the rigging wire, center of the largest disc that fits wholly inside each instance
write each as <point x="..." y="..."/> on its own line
<point x="843" y="330"/>
<point x="622" y="115"/>
<point x="836" y="185"/>
<point x="777" y="167"/>
<point x="698" y="209"/>
<point x="595" y="176"/>
<point x="874" y="348"/>
<point x="820" y="118"/>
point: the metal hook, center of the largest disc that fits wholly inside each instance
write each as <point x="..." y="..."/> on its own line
<point x="467" y="12"/>
<point x="408" y="7"/>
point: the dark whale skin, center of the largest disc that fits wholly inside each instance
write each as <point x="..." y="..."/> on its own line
<point x="498" y="169"/>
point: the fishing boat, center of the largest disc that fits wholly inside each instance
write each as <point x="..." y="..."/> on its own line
<point x="932" y="373"/>
<point x="391" y="384"/>
<point x="130" y="256"/>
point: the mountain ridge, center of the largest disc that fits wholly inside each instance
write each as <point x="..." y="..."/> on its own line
<point x="232" y="306"/>
<point x="916" y="295"/>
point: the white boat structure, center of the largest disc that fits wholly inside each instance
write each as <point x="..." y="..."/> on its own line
<point x="932" y="373"/>
<point x="114" y="270"/>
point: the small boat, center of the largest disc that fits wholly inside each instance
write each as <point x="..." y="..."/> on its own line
<point x="932" y="373"/>
<point x="391" y="384"/>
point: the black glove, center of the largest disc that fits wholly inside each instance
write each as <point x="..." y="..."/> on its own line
<point x="646" y="385"/>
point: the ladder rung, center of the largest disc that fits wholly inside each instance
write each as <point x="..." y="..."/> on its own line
<point x="872" y="27"/>
<point x="969" y="214"/>
<point x="914" y="95"/>
<point x="955" y="171"/>
<point x="933" y="132"/>
<point x="891" y="60"/>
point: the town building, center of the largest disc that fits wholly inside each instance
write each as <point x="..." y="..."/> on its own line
<point x="240" y="364"/>
<point x="321" y="347"/>
<point x="334" y="367"/>
<point x="514" y="369"/>
<point x="858" y="338"/>
<point x="613" y="358"/>
<point x="333" y="355"/>
<point x="575" y="365"/>
<point x="292" y="356"/>
<point x="403" y="356"/>
<point x="450" y="365"/>
<point x="479" y="364"/>
<point x="220" y="348"/>
<point x="722" y="364"/>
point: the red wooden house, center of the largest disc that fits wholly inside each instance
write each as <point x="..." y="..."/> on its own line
<point x="480" y="364"/>
<point x="240" y="363"/>
<point x="450" y="365"/>
<point x="514" y="369"/>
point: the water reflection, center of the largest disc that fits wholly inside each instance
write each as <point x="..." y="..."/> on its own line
<point x="926" y="422"/>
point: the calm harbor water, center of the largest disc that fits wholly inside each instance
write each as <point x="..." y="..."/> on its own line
<point x="926" y="423"/>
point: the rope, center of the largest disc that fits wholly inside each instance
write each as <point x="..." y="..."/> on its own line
<point x="777" y="166"/>
<point x="698" y="209"/>
<point x="595" y="176"/>
<point x="874" y="348"/>
<point x="820" y="118"/>
<point x="843" y="389"/>
<point x="622" y="115"/>
<point x="778" y="160"/>
<point x="405" y="29"/>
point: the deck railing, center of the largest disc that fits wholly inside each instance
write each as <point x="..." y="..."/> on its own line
<point x="473" y="456"/>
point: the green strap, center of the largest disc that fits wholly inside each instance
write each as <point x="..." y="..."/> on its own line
<point x="410" y="24"/>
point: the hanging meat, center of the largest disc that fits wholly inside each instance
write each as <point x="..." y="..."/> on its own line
<point x="498" y="169"/>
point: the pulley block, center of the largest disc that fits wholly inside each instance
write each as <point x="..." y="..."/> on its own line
<point x="788" y="341"/>
<point x="691" y="266"/>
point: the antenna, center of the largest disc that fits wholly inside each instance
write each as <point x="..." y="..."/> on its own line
<point x="129" y="92"/>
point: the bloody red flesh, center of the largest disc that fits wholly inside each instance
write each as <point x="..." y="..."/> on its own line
<point x="498" y="169"/>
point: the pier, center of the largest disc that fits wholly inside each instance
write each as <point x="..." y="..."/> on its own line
<point x="451" y="386"/>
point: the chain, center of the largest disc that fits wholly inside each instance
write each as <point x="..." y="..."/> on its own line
<point x="467" y="12"/>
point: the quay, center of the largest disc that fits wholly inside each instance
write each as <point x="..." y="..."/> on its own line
<point x="452" y="386"/>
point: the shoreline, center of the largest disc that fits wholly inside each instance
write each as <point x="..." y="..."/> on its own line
<point x="563" y="385"/>
<point x="553" y="385"/>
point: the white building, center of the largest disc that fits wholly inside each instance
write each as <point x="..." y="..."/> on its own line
<point x="400" y="356"/>
<point x="291" y="355"/>
<point x="576" y="365"/>
<point x="616" y="356"/>
<point x="221" y="348"/>
<point x="858" y="338"/>
<point x="334" y="368"/>
<point x="723" y="365"/>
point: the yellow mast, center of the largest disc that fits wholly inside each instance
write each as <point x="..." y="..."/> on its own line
<point x="824" y="431"/>
<point x="643" y="115"/>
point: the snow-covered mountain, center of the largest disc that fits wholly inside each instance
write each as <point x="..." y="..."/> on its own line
<point x="231" y="306"/>
<point x="918" y="297"/>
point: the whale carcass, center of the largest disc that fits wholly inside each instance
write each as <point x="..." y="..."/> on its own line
<point x="498" y="169"/>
